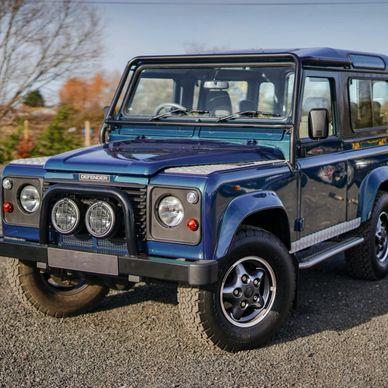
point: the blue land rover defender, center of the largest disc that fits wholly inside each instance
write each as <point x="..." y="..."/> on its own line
<point x="217" y="172"/>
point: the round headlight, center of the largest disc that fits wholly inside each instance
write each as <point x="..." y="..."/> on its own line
<point x="100" y="219"/>
<point x="171" y="211"/>
<point x="30" y="198"/>
<point x="65" y="216"/>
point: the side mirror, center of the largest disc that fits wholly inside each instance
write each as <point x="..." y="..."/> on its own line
<point x="318" y="123"/>
<point x="106" y="111"/>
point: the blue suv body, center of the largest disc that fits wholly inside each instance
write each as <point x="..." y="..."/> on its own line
<point x="218" y="172"/>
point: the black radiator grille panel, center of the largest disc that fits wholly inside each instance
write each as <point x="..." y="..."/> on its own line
<point x="116" y="244"/>
<point x="139" y="203"/>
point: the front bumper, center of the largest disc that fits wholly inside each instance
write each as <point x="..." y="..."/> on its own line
<point x="194" y="273"/>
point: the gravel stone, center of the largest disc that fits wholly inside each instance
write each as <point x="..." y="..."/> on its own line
<point x="337" y="337"/>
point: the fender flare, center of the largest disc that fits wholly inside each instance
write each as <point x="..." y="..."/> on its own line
<point x="237" y="211"/>
<point x="368" y="191"/>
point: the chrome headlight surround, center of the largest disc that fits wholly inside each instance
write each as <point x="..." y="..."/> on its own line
<point x="70" y="214"/>
<point x="100" y="215"/>
<point x="29" y="198"/>
<point x="170" y="211"/>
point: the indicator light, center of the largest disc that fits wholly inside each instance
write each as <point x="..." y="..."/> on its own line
<point x="192" y="197"/>
<point x="7" y="184"/>
<point x="193" y="224"/>
<point x="7" y="207"/>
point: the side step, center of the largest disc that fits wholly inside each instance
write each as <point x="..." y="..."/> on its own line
<point x="316" y="258"/>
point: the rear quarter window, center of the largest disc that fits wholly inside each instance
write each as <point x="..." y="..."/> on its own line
<point x="368" y="103"/>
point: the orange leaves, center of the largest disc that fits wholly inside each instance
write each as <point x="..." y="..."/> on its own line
<point x="88" y="94"/>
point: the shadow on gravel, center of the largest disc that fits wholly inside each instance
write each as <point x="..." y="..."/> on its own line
<point x="328" y="300"/>
<point x="141" y="293"/>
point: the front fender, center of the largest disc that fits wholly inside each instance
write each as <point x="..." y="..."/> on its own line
<point x="237" y="211"/>
<point x="368" y="191"/>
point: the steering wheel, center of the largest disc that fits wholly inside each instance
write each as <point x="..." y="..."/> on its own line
<point x="168" y="105"/>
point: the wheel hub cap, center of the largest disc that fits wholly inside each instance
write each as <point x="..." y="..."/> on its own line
<point x="248" y="291"/>
<point x="381" y="241"/>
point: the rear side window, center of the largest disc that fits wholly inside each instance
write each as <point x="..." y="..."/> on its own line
<point x="266" y="97"/>
<point x="368" y="103"/>
<point x="237" y="91"/>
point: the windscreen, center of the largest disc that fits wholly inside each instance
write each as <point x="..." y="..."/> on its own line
<point x="212" y="93"/>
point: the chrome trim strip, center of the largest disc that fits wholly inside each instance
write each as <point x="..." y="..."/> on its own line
<point x="325" y="234"/>
<point x="210" y="168"/>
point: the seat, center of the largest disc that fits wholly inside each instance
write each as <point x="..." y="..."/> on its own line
<point x="354" y="115"/>
<point x="377" y="117"/>
<point x="218" y="103"/>
<point x="246" y="105"/>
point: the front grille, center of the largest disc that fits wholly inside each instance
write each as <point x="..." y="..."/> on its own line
<point x="84" y="242"/>
<point x="116" y="244"/>
<point x="138" y="198"/>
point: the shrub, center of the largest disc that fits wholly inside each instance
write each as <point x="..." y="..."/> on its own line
<point x="33" y="99"/>
<point x="55" y="139"/>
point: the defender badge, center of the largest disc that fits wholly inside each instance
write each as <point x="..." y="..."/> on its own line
<point x="94" y="178"/>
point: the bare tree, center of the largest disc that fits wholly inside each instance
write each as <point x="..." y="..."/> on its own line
<point x="42" y="41"/>
<point x="200" y="48"/>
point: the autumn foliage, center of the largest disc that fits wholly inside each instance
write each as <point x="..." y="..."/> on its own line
<point x="81" y="99"/>
<point x="87" y="94"/>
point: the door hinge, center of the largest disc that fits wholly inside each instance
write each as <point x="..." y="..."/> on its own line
<point x="299" y="225"/>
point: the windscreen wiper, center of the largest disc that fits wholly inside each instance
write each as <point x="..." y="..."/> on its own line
<point x="252" y="113"/>
<point x="179" y="110"/>
<point x="169" y="113"/>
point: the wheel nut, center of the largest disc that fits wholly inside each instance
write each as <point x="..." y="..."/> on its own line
<point x="256" y="282"/>
<point x="244" y="278"/>
<point x="236" y="292"/>
<point x="255" y="298"/>
<point x="243" y="304"/>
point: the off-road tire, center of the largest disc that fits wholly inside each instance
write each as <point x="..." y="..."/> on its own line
<point x="37" y="295"/>
<point x="201" y="309"/>
<point x="362" y="260"/>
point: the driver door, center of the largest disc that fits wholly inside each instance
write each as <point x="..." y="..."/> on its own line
<point x="323" y="169"/>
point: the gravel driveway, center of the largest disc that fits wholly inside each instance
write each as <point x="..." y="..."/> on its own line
<point x="338" y="336"/>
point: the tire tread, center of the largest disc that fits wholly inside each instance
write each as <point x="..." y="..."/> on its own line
<point x="15" y="273"/>
<point x="358" y="258"/>
<point x="191" y="303"/>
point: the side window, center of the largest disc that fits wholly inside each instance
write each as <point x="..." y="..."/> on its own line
<point x="289" y="91"/>
<point x="197" y="88"/>
<point x="237" y="92"/>
<point x="150" y="93"/>
<point x="316" y="95"/>
<point x="368" y="103"/>
<point x="380" y="102"/>
<point x="266" y="97"/>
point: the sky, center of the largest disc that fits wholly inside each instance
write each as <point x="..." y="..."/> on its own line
<point x="161" y="28"/>
<point x="132" y="30"/>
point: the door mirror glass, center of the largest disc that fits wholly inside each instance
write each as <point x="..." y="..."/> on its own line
<point x="318" y="123"/>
